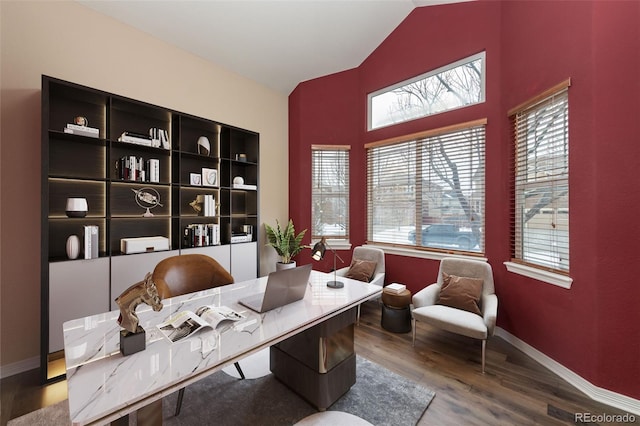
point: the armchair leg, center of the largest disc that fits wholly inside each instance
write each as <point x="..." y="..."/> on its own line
<point x="413" y="327"/>
<point x="484" y="349"/>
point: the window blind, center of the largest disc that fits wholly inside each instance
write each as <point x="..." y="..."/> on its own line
<point x="428" y="191"/>
<point x="540" y="208"/>
<point x="330" y="191"/>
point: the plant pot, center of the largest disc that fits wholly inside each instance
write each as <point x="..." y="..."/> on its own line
<point x="280" y="266"/>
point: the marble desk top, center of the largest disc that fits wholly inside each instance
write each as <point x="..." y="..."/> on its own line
<point x="103" y="385"/>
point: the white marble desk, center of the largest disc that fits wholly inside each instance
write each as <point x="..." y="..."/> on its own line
<point x="104" y="385"/>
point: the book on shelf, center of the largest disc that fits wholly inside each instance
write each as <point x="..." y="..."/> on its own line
<point x="75" y="129"/>
<point x="395" y="288"/>
<point x="91" y="243"/>
<point x="208" y="202"/>
<point x="201" y="235"/>
<point x="185" y="323"/>
<point x="164" y="139"/>
<point x="136" y="169"/>
<point x="153" y="170"/>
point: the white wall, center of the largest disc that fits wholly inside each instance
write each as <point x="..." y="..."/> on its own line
<point x="66" y="40"/>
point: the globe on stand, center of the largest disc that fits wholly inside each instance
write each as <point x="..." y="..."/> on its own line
<point x="147" y="198"/>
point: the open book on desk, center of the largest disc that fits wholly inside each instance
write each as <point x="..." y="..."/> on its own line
<point x="185" y="323"/>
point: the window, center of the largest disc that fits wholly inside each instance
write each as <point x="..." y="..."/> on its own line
<point x="540" y="236"/>
<point x="453" y="86"/>
<point x="427" y="190"/>
<point x="330" y="191"/>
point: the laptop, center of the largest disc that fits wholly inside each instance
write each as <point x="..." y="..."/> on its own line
<point x="283" y="287"/>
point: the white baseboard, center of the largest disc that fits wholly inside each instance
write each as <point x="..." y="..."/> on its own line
<point x="623" y="402"/>
<point x="19" y="367"/>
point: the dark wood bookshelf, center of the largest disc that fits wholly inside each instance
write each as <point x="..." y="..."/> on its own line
<point x="76" y="165"/>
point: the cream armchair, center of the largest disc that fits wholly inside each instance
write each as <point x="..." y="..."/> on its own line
<point x="371" y="254"/>
<point x="478" y="326"/>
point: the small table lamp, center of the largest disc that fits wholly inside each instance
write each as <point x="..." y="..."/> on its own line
<point x="317" y="253"/>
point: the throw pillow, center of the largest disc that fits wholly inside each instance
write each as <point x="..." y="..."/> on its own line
<point x="361" y="270"/>
<point x="461" y="292"/>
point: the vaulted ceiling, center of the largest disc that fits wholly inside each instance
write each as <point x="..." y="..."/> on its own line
<point x="278" y="43"/>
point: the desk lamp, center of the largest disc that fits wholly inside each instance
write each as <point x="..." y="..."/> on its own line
<point x="317" y="253"/>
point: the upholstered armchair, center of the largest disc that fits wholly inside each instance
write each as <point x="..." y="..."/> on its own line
<point x="367" y="264"/>
<point x="461" y="301"/>
<point x="188" y="273"/>
<point x="370" y="254"/>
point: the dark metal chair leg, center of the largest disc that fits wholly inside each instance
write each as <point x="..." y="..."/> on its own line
<point x="239" y="370"/>
<point x="181" y="392"/>
<point x="179" y="404"/>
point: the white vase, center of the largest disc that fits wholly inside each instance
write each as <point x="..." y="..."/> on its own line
<point x="280" y="266"/>
<point x="73" y="246"/>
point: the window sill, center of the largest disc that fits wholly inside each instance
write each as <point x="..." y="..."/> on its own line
<point x="539" y="274"/>
<point x="422" y="254"/>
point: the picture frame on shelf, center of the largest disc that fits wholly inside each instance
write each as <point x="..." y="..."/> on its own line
<point x="209" y="177"/>
<point x="195" y="179"/>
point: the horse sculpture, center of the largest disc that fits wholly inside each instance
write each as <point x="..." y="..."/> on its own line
<point x="144" y="291"/>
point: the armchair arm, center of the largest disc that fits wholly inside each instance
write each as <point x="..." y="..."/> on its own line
<point x="427" y="296"/>
<point x="342" y="271"/>
<point x="490" y="311"/>
<point x="378" y="279"/>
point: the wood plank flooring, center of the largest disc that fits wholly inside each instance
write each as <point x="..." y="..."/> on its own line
<point x="515" y="390"/>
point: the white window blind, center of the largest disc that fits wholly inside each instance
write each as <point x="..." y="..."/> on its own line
<point x="330" y="191"/>
<point x="427" y="190"/>
<point x="540" y="209"/>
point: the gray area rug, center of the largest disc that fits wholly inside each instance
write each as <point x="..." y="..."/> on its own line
<point x="379" y="396"/>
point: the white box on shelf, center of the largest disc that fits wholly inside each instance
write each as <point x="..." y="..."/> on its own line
<point x="143" y="244"/>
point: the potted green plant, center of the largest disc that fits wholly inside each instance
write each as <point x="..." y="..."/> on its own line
<point x="285" y="241"/>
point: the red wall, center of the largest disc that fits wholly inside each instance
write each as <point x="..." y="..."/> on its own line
<point x="594" y="328"/>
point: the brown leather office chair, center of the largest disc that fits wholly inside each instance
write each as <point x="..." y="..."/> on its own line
<point x="187" y="273"/>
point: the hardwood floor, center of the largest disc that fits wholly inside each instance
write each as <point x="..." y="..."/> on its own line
<point x="515" y="390"/>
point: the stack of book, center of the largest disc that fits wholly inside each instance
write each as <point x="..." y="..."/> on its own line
<point x="395" y="288"/>
<point x="241" y="237"/>
<point x="136" y="138"/>
<point x="244" y="186"/>
<point x="74" y="129"/>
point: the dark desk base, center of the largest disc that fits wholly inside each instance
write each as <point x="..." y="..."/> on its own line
<point x="320" y="363"/>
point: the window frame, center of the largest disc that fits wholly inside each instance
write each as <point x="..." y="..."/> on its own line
<point x="418" y="202"/>
<point x="339" y="241"/>
<point x="423" y="77"/>
<point x="521" y="180"/>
